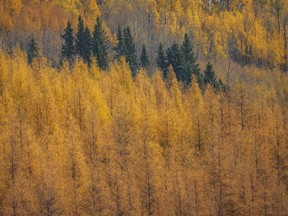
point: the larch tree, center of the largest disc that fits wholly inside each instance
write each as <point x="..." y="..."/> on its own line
<point x="148" y="164"/>
<point x="195" y="104"/>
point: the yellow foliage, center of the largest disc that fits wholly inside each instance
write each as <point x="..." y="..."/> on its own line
<point x="79" y="141"/>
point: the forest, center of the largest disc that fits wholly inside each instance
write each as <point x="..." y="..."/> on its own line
<point x="144" y="107"/>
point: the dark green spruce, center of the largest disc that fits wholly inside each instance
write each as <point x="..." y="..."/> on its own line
<point x="100" y="45"/>
<point x="80" y="38"/>
<point x="32" y="51"/>
<point x="83" y="42"/>
<point x="190" y="66"/>
<point x="144" y="57"/>
<point x="210" y="77"/>
<point x="120" y="44"/>
<point x="175" y="59"/>
<point x="130" y="50"/>
<point x="87" y="46"/>
<point x="161" y="60"/>
<point x="68" y="48"/>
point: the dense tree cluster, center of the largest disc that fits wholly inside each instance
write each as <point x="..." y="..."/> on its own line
<point x="248" y="31"/>
<point x="181" y="58"/>
<point x="80" y="141"/>
<point x="108" y="108"/>
<point x="84" y="45"/>
<point x="126" y="47"/>
<point x="184" y="63"/>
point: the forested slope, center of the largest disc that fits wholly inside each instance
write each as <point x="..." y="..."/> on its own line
<point x="246" y="30"/>
<point x="135" y="123"/>
<point x="90" y="142"/>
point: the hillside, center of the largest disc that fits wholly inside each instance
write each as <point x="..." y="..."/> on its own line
<point x="247" y="31"/>
<point x="140" y="107"/>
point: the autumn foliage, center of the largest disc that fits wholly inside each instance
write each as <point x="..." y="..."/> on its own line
<point x="248" y="31"/>
<point x="89" y="142"/>
<point x="81" y="135"/>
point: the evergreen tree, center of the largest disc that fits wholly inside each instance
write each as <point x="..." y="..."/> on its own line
<point x="209" y="76"/>
<point x="162" y="60"/>
<point x="32" y="51"/>
<point x="80" y="39"/>
<point x="68" y="48"/>
<point x="190" y="65"/>
<point x="120" y="45"/>
<point x="175" y="58"/>
<point x="130" y="50"/>
<point x="144" y="57"/>
<point x="221" y="85"/>
<point x="100" y="45"/>
<point x="87" y="46"/>
<point x="199" y="77"/>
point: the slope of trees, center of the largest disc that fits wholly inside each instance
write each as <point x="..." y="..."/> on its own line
<point x="78" y="141"/>
<point x="181" y="58"/>
<point x="172" y="108"/>
<point x="248" y="31"/>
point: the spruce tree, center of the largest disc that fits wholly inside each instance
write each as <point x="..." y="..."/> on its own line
<point x="87" y="46"/>
<point x="175" y="58"/>
<point x="32" y="51"/>
<point x="144" y="57"/>
<point x="120" y="45"/>
<point x="68" y="48"/>
<point x="221" y="85"/>
<point x="100" y="45"/>
<point x="209" y="76"/>
<point x="130" y="50"/>
<point x="80" y="39"/>
<point x="162" y="60"/>
<point x="189" y="62"/>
